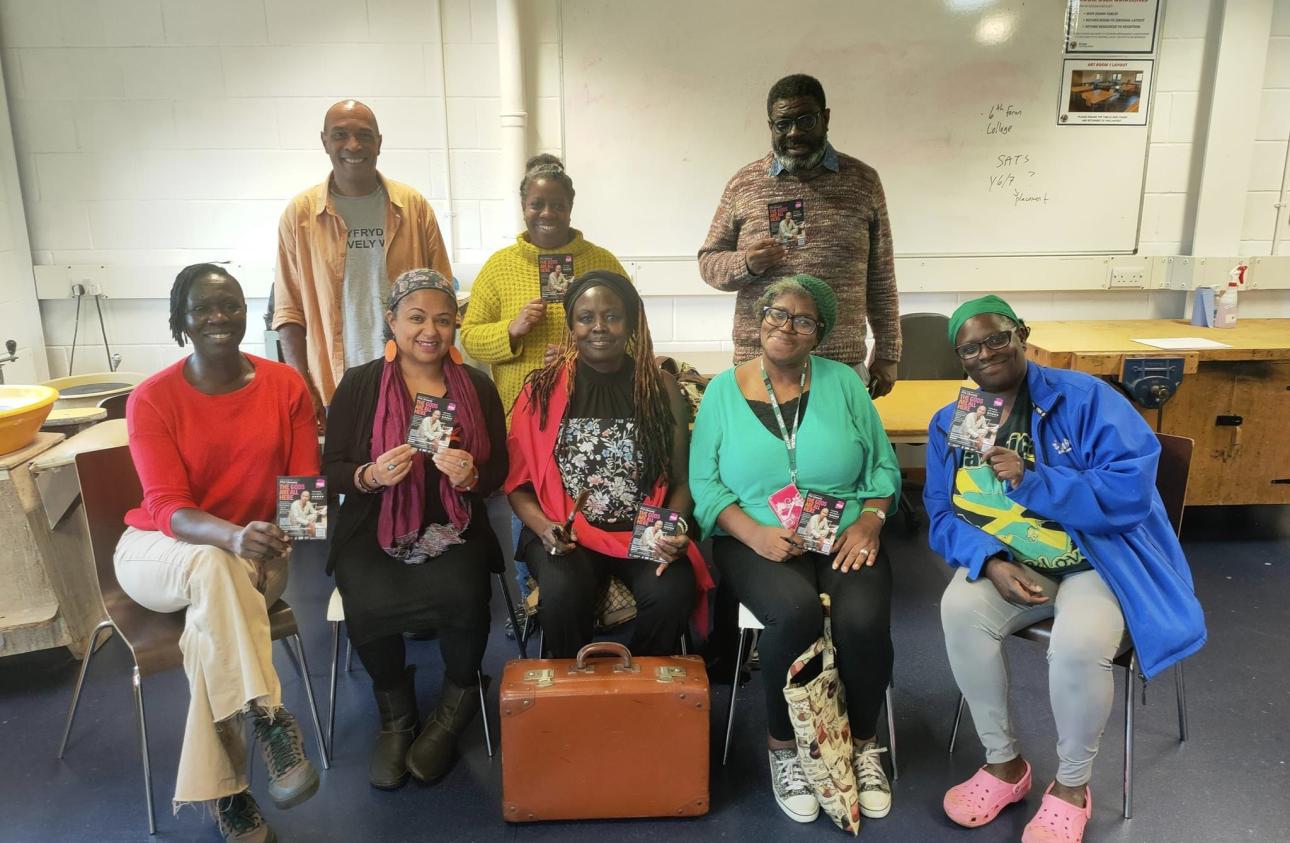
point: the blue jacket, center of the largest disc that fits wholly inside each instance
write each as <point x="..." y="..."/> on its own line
<point x="1095" y="472"/>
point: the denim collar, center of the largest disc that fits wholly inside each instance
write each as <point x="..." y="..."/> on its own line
<point x="829" y="162"/>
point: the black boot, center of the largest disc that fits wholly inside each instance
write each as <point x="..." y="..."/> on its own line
<point x="434" y="749"/>
<point x="398" y="711"/>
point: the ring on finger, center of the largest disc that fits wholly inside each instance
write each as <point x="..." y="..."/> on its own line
<point x="391" y="466"/>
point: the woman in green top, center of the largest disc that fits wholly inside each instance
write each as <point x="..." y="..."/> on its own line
<point x="746" y="450"/>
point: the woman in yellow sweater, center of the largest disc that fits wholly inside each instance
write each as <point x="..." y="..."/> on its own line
<point x="508" y="324"/>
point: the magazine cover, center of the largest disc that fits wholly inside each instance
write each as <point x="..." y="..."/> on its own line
<point x="976" y="420"/>
<point x="431" y="427"/>
<point x="554" y="274"/>
<point x="817" y="526"/>
<point x="652" y="522"/>
<point x="788" y="222"/>
<point x="302" y="507"/>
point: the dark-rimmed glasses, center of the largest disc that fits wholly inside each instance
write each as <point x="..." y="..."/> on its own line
<point x="777" y="317"/>
<point x="996" y="341"/>
<point x="805" y="122"/>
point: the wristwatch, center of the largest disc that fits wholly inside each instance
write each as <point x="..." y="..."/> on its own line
<point x="882" y="516"/>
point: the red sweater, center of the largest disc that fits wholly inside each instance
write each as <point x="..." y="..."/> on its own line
<point x="221" y="454"/>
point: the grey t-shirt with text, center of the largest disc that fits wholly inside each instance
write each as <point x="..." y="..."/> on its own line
<point x="366" y="284"/>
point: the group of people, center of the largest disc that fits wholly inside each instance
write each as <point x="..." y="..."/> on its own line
<point x="576" y="410"/>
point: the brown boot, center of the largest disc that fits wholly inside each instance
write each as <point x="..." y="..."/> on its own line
<point x="433" y="751"/>
<point x="240" y="821"/>
<point x="397" y="708"/>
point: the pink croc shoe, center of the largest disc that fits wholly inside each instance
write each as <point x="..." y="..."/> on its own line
<point x="979" y="800"/>
<point x="1058" y="821"/>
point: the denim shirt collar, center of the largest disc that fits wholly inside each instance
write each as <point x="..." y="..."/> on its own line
<point x="829" y="162"/>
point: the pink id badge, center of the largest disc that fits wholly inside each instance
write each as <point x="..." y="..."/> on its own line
<point x="787" y="505"/>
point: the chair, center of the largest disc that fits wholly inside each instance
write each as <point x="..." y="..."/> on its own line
<point x="115" y="405"/>
<point x="1171" y="483"/>
<point x="748" y="623"/>
<point x="110" y="488"/>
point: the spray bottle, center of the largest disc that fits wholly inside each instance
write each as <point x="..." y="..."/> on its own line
<point x="1225" y="307"/>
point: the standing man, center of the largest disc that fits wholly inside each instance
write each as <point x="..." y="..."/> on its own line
<point x="340" y="245"/>
<point x="804" y="207"/>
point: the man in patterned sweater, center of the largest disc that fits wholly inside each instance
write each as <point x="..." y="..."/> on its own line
<point x="805" y="207"/>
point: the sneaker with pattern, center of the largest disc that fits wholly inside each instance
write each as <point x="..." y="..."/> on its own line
<point x="871" y="779"/>
<point x="240" y="822"/>
<point x="793" y="793"/>
<point x="292" y="779"/>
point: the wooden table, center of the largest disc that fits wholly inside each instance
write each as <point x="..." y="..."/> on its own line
<point x="1235" y="402"/>
<point x="1094" y="98"/>
<point x="908" y="408"/>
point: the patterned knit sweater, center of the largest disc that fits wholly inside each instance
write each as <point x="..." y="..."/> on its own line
<point x="848" y="244"/>
<point x="508" y="281"/>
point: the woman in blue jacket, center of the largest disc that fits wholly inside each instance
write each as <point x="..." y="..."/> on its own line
<point x="1059" y="519"/>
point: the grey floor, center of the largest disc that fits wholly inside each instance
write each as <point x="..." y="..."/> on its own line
<point x="1229" y="782"/>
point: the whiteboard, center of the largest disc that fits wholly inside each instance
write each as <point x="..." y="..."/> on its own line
<point x="954" y="102"/>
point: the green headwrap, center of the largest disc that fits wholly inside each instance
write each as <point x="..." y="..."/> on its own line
<point x="976" y="307"/>
<point x="826" y="303"/>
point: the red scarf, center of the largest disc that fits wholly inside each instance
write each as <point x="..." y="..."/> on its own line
<point x="532" y="453"/>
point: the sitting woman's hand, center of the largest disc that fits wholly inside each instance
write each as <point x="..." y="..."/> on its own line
<point x="1015" y="583"/>
<point x="555" y="541"/>
<point x="457" y="464"/>
<point x="671" y="548"/>
<point x="774" y="543"/>
<point x="1007" y="465"/>
<point x="858" y="544"/>
<point x="393" y="465"/>
<point x="260" y="542"/>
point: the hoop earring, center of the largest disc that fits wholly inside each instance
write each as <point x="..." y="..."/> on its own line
<point x="391" y="351"/>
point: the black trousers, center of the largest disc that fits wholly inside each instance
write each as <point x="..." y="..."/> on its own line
<point x="571" y="582"/>
<point x="785" y="598"/>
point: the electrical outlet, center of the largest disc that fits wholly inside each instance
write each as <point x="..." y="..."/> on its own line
<point x="1128" y="277"/>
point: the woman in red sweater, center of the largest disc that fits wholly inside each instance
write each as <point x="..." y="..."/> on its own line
<point x="209" y="436"/>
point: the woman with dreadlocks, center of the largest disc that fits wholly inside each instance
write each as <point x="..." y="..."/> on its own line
<point x="604" y="420"/>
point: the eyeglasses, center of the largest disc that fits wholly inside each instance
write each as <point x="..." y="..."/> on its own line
<point x="777" y="317"/>
<point x="805" y="122"/>
<point x="968" y="350"/>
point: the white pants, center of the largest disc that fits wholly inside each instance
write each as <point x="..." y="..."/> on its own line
<point x="1087" y="631"/>
<point x="226" y="646"/>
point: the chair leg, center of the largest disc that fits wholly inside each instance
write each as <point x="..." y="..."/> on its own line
<point x="1182" y="701"/>
<point x="299" y="648"/>
<point x="521" y="640"/>
<point x="137" y="679"/>
<point x="80" y="681"/>
<point x="685" y="650"/>
<point x="541" y="643"/>
<point x="1128" y="737"/>
<point x="891" y="734"/>
<point x="734" y="693"/>
<point x="958" y="718"/>
<point x="331" y="697"/>
<point x="349" y="656"/>
<point x="483" y="715"/>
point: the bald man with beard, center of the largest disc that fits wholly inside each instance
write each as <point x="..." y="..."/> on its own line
<point x="340" y="245"/>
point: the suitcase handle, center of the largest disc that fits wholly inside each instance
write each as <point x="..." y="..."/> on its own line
<point x="604" y="648"/>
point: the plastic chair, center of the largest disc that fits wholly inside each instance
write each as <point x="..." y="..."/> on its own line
<point x="1171" y="483"/>
<point x="748" y="623"/>
<point x="926" y="353"/>
<point x="110" y="488"/>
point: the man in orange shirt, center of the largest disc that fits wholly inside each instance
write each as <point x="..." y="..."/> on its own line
<point x="340" y="245"/>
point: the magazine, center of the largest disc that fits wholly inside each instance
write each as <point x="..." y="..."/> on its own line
<point x="788" y="222"/>
<point x="554" y="274"/>
<point x="817" y="526"/>
<point x="976" y="420"/>
<point x="431" y="426"/>
<point x="302" y="507"/>
<point x="652" y="522"/>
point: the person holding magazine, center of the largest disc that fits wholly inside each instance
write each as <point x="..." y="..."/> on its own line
<point x="204" y="541"/>
<point x="413" y="547"/>
<point x="771" y="431"/>
<point x="1059" y="519"/>
<point x="602" y="423"/>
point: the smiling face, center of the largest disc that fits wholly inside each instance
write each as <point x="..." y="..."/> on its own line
<point x="600" y="329"/>
<point x="781" y="344"/>
<point x="215" y="314"/>
<point x="424" y="325"/>
<point x="994" y="369"/>
<point x="798" y="148"/>
<point x="353" y="142"/>
<point x="547" y="210"/>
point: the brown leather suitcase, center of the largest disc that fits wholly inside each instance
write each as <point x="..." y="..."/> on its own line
<point x="596" y="738"/>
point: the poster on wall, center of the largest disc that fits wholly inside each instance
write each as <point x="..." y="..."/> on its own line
<point x="1104" y="92"/>
<point x="1111" y="26"/>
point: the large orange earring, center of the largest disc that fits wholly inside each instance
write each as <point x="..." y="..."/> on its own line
<point x="391" y="351"/>
<point x="454" y="354"/>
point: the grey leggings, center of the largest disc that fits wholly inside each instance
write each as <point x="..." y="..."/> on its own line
<point x="1087" y="631"/>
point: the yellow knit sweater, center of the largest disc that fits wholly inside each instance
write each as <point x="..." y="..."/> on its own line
<point x="507" y="282"/>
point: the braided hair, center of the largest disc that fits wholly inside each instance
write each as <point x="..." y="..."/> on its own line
<point x="655" y="423"/>
<point x="179" y="294"/>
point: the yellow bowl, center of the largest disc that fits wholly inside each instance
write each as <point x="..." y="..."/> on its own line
<point x="22" y="411"/>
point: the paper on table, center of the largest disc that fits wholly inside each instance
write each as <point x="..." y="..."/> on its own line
<point x="1182" y="343"/>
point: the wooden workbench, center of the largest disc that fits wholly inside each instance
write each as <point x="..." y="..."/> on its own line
<point x="1243" y="462"/>
<point x="907" y="409"/>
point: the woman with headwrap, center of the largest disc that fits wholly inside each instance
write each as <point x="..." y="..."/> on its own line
<point x="413" y="547"/>
<point x="603" y="419"/>
<point x="750" y="468"/>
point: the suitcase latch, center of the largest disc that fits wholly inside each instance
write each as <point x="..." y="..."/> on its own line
<point x="667" y="672"/>
<point x="544" y="677"/>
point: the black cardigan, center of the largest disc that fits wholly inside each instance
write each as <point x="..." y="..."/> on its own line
<point x="349" y="442"/>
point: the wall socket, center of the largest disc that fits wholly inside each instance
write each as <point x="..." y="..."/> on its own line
<point x="1128" y="277"/>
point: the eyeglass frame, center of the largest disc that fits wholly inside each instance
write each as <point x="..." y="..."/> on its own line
<point x="1008" y="333"/>
<point x="796" y="121"/>
<point x="791" y="319"/>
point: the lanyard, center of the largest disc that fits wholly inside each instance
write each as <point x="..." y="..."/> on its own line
<point x="790" y="439"/>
